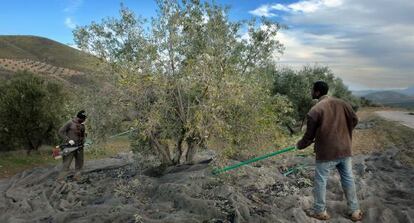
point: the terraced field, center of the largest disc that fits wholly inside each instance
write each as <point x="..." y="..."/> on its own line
<point x="15" y="65"/>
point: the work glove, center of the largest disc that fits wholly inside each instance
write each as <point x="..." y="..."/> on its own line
<point x="71" y="142"/>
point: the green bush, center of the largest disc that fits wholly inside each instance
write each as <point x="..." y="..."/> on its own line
<point x="30" y="112"/>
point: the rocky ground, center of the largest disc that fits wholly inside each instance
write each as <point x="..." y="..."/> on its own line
<point x="120" y="190"/>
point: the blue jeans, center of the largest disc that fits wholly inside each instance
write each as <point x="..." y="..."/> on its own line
<point x="344" y="167"/>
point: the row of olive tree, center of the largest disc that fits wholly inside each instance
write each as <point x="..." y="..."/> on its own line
<point x="191" y="76"/>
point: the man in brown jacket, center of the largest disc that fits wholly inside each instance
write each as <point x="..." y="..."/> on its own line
<point x="73" y="132"/>
<point x="329" y="125"/>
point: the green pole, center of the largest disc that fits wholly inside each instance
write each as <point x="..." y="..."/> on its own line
<point x="227" y="168"/>
<point x="122" y="133"/>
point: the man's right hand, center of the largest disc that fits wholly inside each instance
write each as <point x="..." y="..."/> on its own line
<point x="71" y="142"/>
<point x="300" y="146"/>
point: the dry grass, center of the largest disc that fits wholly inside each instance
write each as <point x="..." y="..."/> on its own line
<point x="383" y="135"/>
<point x="369" y="140"/>
<point x="17" y="161"/>
<point x="109" y="148"/>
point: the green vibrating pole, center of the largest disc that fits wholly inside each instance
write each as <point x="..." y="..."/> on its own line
<point x="227" y="168"/>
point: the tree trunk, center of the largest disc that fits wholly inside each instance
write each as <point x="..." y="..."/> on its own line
<point x="179" y="149"/>
<point x="162" y="151"/>
<point x="37" y="144"/>
<point x="191" y="151"/>
<point x="30" y="146"/>
<point x="192" y="144"/>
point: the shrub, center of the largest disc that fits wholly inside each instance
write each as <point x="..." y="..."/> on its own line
<point x="30" y="111"/>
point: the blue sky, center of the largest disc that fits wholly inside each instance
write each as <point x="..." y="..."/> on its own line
<point x="369" y="43"/>
<point x="56" y="18"/>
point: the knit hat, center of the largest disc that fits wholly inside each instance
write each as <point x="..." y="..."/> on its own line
<point x="81" y="114"/>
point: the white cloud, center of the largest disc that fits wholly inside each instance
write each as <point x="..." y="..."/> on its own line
<point x="303" y="48"/>
<point x="69" y="23"/>
<point x="279" y="7"/>
<point x="263" y="10"/>
<point x="306" y="6"/>
<point x="369" y="44"/>
<point x="358" y="71"/>
<point x="332" y="3"/>
<point x="73" y="5"/>
<point x="299" y="52"/>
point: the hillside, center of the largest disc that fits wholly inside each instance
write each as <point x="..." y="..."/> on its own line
<point x="386" y="96"/>
<point x="363" y="93"/>
<point x="46" y="51"/>
<point x="409" y="91"/>
<point x="48" y="58"/>
<point x="391" y="98"/>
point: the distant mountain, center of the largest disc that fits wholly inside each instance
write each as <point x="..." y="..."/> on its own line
<point x="391" y="98"/>
<point x="363" y="92"/>
<point x="385" y="96"/>
<point x="47" y="51"/>
<point x="407" y="91"/>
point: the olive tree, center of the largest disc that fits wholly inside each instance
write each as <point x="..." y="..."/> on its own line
<point x="191" y="76"/>
<point x="31" y="111"/>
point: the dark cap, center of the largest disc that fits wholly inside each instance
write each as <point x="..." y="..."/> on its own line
<point x="81" y="114"/>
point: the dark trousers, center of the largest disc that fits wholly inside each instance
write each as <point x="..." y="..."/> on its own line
<point x="67" y="160"/>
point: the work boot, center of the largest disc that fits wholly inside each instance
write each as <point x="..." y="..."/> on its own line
<point x="77" y="176"/>
<point x="323" y="216"/>
<point x="356" y="215"/>
<point x="61" y="178"/>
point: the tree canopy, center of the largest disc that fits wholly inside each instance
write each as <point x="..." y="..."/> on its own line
<point x="191" y="76"/>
